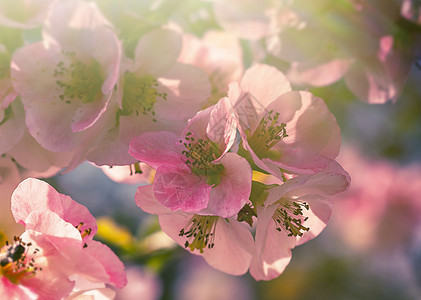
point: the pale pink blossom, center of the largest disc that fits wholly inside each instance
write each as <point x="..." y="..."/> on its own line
<point x="224" y="243"/>
<point x="283" y="129"/>
<point x="291" y="214"/>
<point x="56" y="256"/>
<point x="66" y="80"/>
<point x="195" y="171"/>
<point x="155" y="92"/>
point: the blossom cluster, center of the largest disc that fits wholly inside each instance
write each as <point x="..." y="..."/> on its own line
<point x="238" y="164"/>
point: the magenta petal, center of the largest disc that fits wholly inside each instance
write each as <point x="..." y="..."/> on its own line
<point x="157" y="148"/>
<point x="233" y="192"/>
<point x="33" y="194"/>
<point x="176" y="187"/>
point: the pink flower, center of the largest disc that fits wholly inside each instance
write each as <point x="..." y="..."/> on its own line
<point x="217" y="53"/>
<point x="280" y="128"/>
<point x="195" y="171"/>
<point x="66" y="81"/>
<point x="224" y="243"/>
<point x="56" y="254"/>
<point x="290" y="214"/>
<point x="155" y="92"/>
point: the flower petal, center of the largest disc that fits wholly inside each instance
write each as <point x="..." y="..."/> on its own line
<point x="146" y="200"/>
<point x="176" y="187"/>
<point x="33" y="194"/>
<point x="233" y="192"/>
<point x="157" y="148"/>
<point x="157" y="51"/>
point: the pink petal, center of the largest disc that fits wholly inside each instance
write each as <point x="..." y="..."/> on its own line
<point x="52" y="282"/>
<point x="370" y="83"/>
<point x="264" y="83"/>
<point x="10" y="290"/>
<point x="318" y="73"/>
<point x="157" y="148"/>
<point x="273" y="248"/>
<point x="40" y="160"/>
<point x="176" y="187"/>
<point x="146" y="200"/>
<point x="67" y="17"/>
<point x="233" y="248"/>
<point x="233" y="192"/>
<point x="331" y="181"/>
<point x="39" y="88"/>
<point x="188" y="89"/>
<point x="50" y="223"/>
<point x="223" y="124"/>
<point x="109" y="261"/>
<point x="157" y="51"/>
<point x="233" y="242"/>
<point x="33" y="194"/>
<point x="247" y="19"/>
<point x="318" y="215"/>
<point x="316" y="128"/>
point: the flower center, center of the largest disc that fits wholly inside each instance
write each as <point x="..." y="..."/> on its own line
<point x="289" y="217"/>
<point x="200" y="155"/>
<point x="267" y="134"/>
<point x="16" y="262"/>
<point x="140" y="95"/>
<point x="200" y="232"/>
<point x="79" y="80"/>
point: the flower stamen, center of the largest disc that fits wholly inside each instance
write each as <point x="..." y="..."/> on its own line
<point x="79" y="80"/>
<point x="16" y="263"/>
<point x="289" y="217"/>
<point x="267" y="134"/>
<point x="200" y="232"/>
<point x="200" y="155"/>
<point x="140" y="95"/>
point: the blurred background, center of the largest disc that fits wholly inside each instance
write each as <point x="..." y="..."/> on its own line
<point x="371" y="248"/>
